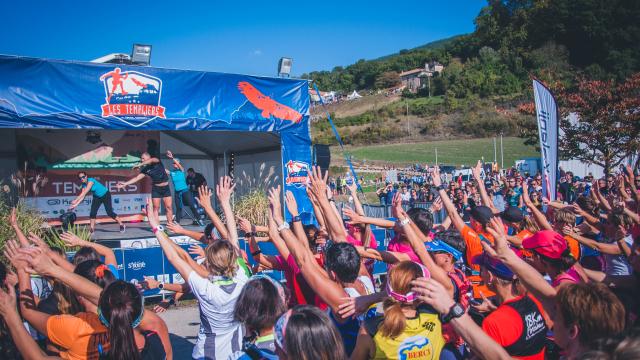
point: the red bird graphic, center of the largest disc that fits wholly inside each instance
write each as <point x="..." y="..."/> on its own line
<point x="268" y="106"/>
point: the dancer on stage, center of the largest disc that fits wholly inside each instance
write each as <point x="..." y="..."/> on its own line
<point x="101" y="195"/>
<point x="181" y="191"/>
<point x="153" y="168"/>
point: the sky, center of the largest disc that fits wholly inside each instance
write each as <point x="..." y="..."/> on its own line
<point x="245" y="37"/>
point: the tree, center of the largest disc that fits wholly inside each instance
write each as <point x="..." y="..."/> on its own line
<point x="387" y="79"/>
<point x="606" y="128"/>
<point x="599" y="120"/>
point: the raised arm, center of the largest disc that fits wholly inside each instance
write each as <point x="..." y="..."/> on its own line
<point x="298" y="230"/>
<point x="204" y="199"/>
<point x="175" y="161"/>
<point x="456" y="220"/>
<point x="418" y="246"/>
<point x="433" y="293"/>
<point x="318" y="186"/>
<point x="353" y="190"/>
<point x="611" y="249"/>
<point x="316" y="277"/>
<point x="224" y="189"/>
<point x="355" y="218"/>
<point x="133" y="180"/>
<point x="537" y="214"/>
<point x="529" y="277"/>
<point x="73" y="240"/>
<point x="176" y="228"/>
<point x="13" y="220"/>
<point x="268" y="261"/>
<point x="486" y="200"/>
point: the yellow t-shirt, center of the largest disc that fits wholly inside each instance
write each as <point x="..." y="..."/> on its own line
<point x="421" y="339"/>
<point x="80" y="335"/>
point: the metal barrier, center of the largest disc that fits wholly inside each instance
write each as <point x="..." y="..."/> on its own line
<point x="384" y="211"/>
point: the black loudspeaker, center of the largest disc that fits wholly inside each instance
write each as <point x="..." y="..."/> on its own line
<point x="68" y="219"/>
<point x="322" y="156"/>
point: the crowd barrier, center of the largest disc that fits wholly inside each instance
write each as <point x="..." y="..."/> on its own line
<point x="384" y="211"/>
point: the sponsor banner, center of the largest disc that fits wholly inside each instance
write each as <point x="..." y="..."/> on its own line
<point x="547" y="116"/>
<point x="51" y="207"/>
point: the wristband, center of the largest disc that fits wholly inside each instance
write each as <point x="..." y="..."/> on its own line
<point x="157" y="228"/>
<point x="295" y="219"/>
<point x="404" y="221"/>
<point x="441" y="187"/>
<point x="250" y="234"/>
<point x="256" y="253"/>
<point x="283" y="226"/>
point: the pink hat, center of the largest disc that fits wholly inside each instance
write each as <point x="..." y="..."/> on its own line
<point x="546" y="243"/>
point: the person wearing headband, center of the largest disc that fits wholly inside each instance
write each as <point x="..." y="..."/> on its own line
<point x="307" y="333"/>
<point x="406" y="329"/>
<point x="121" y="309"/>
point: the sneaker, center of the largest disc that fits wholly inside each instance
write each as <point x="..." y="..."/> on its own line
<point x="123" y="228"/>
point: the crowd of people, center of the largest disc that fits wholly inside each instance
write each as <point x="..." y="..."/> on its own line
<point x="507" y="274"/>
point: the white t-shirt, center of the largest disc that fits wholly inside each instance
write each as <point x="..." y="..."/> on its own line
<point x="618" y="264"/>
<point x="219" y="335"/>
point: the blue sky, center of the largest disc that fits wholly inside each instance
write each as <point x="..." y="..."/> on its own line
<point x="232" y="36"/>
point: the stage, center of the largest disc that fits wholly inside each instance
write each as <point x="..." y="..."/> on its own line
<point x="137" y="230"/>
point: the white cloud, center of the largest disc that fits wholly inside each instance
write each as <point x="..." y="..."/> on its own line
<point x="256" y="52"/>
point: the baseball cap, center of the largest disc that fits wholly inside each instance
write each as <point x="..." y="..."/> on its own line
<point x="439" y="245"/>
<point x="547" y="243"/>
<point x="481" y="214"/>
<point x="495" y="266"/>
<point x="512" y="214"/>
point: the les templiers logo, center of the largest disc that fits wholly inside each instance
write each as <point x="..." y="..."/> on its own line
<point x="297" y="173"/>
<point x="132" y="97"/>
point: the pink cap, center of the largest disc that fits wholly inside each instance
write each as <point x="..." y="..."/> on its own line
<point x="546" y="243"/>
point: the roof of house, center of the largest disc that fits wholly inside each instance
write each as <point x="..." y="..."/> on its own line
<point x="412" y="72"/>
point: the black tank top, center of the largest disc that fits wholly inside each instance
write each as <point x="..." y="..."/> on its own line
<point x="534" y="329"/>
<point x="156" y="172"/>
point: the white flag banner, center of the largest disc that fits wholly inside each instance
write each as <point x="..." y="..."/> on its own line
<point x="547" y="115"/>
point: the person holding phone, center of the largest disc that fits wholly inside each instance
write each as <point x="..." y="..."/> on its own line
<point x="101" y="196"/>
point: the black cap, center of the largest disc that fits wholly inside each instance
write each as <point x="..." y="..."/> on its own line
<point x="512" y="214"/>
<point x="481" y="214"/>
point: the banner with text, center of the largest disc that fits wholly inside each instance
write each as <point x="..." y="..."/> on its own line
<point x="547" y="115"/>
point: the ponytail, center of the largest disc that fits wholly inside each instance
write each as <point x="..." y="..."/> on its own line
<point x="394" y="319"/>
<point x="121" y="310"/>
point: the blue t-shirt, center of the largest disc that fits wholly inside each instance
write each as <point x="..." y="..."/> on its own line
<point x="179" y="180"/>
<point x="97" y="188"/>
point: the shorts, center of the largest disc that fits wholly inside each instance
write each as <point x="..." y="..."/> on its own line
<point x="159" y="192"/>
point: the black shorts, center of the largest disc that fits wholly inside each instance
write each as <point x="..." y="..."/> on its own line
<point x="159" y="192"/>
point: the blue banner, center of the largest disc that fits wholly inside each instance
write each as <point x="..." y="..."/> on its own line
<point x="39" y="93"/>
<point x="547" y="115"/>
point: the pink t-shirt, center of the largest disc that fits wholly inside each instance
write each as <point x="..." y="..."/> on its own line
<point x="301" y="292"/>
<point x="570" y="275"/>
<point x="404" y="247"/>
<point x="355" y="242"/>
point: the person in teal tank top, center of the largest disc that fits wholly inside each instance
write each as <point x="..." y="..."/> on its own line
<point x="101" y="196"/>
<point x="182" y="195"/>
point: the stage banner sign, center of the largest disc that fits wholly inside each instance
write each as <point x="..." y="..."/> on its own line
<point x="56" y="158"/>
<point x="52" y="94"/>
<point x="547" y="115"/>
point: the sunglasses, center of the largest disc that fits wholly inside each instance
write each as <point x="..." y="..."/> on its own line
<point x="82" y="177"/>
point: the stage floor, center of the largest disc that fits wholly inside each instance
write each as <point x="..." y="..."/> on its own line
<point x="139" y="230"/>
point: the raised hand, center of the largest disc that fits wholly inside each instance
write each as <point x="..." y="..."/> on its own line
<point x="204" y="197"/>
<point x="477" y="171"/>
<point x="11" y="253"/>
<point x="175" y="228"/>
<point x="13" y="218"/>
<point x="244" y="224"/>
<point x="151" y="282"/>
<point x="436" y="205"/>
<point x="317" y="182"/>
<point x="500" y="245"/>
<point x="435" y="175"/>
<point x="120" y="185"/>
<point x="486" y="306"/>
<point x="292" y="204"/>
<point x="152" y="218"/>
<point x="354" y="217"/>
<point x="353" y="187"/>
<point x="11" y="280"/>
<point x="274" y="201"/>
<point x="197" y="250"/>
<point x="37" y="259"/>
<point x="8" y="301"/>
<point x="396" y="206"/>
<point x="224" y="189"/>
<point x="433" y="293"/>
<point x="71" y="239"/>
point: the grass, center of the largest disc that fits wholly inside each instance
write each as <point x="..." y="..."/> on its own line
<point x="450" y="152"/>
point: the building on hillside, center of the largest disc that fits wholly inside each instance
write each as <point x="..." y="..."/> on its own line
<point x="417" y="79"/>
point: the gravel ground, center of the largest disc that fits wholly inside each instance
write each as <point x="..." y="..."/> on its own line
<point x="183" y="323"/>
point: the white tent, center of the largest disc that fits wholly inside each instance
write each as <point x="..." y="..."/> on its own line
<point x="354" y="95"/>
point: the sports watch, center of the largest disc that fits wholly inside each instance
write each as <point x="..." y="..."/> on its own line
<point x="441" y="187"/>
<point x="161" y="286"/>
<point x="455" y="312"/>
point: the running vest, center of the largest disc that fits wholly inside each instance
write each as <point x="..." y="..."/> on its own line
<point x="421" y="339"/>
<point x="534" y="329"/>
<point x="462" y="287"/>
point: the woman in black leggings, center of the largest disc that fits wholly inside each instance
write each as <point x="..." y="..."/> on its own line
<point x="153" y="168"/>
<point x="101" y="195"/>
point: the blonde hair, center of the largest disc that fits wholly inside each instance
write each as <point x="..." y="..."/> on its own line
<point x="565" y="215"/>
<point x="400" y="277"/>
<point x="222" y="258"/>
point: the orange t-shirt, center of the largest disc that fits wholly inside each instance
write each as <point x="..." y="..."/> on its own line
<point x="574" y="247"/>
<point x="80" y="335"/>
<point x="474" y="247"/>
